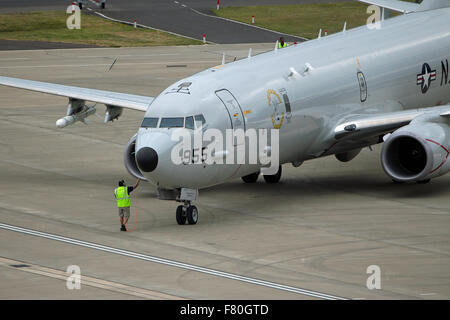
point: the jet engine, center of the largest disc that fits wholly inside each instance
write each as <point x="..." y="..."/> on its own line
<point x="419" y="151"/>
<point x="130" y="159"/>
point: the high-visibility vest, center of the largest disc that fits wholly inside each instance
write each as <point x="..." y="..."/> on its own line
<point x="123" y="199"/>
<point x="282" y="46"/>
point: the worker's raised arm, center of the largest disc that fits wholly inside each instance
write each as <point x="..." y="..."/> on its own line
<point x="137" y="183"/>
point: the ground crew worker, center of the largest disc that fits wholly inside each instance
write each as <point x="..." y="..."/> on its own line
<point x="281" y="43"/>
<point x="122" y="194"/>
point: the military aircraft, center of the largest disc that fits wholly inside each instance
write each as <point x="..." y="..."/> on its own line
<point x="333" y="95"/>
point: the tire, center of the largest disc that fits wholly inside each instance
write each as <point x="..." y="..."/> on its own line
<point x="275" y="178"/>
<point x="251" y="178"/>
<point x="103" y="5"/>
<point x="181" y="220"/>
<point x="192" y="215"/>
<point x="81" y="6"/>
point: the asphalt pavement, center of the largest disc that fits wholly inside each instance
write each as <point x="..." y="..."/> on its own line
<point x="190" y="18"/>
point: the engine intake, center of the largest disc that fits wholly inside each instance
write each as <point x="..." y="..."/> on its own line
<point x="417" y="152"/>
<point x="130" y="159"/>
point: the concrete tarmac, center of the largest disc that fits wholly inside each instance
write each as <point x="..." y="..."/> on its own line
<point x="318" y="229"/>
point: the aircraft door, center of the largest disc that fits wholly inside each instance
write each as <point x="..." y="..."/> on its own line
<point x="233" y="108"/>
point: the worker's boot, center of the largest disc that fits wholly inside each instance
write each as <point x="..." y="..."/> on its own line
<point x="123" y="228"/>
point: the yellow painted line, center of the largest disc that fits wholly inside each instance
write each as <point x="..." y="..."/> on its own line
<point x="218" y="67"/>
<point x="88" y="281"/>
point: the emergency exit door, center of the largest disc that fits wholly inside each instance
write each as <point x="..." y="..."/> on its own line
<point x="233" y="108"/>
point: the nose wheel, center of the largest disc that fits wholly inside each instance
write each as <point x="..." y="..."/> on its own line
<point x="187" y="212"/>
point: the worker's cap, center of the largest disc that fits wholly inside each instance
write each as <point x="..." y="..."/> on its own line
<point x="121" y="183"/>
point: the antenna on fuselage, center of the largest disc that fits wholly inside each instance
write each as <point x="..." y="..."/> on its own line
<point x="223" y="58"/>
<point x="345" y="27"/>
<point x="276" y="46"/>
<point x="320" y="34"/>
<point x="249" y="53"/>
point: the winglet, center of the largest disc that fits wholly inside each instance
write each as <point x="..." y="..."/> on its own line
<point x="396" y="5"/>
<point x="445" y="114"/>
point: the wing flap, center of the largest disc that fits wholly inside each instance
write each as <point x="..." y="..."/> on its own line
<point x="365" y="126"/>
<point x="129" y="101"/>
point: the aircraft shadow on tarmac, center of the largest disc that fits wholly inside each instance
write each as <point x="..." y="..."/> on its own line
<point x="323" y="186"/>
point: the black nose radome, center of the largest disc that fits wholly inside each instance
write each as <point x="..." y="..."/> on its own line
<point x="147" y="159"/>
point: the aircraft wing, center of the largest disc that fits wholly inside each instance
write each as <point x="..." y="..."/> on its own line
<point x="363" y="126"/>
<point x="394" y="5"/>
<point x="123" y="100"/>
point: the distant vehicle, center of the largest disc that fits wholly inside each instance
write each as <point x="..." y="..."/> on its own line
<point x="330" y="96"/>
<point x="100" y="3"/>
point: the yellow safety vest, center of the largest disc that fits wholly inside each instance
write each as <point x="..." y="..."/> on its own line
<point x="282" y="46"/>
<point x="123" y="199"/>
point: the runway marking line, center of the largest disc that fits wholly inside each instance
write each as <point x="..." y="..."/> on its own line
<point x="85" y="280"/>
<point x="173" y="263"/>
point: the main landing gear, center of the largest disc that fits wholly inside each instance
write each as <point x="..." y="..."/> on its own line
<point x="251" y="178"/>
<point x="274" y="178"/>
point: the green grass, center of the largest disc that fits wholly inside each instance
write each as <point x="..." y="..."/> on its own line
<point x="303" y="20"/>
<point x="51" y="26"/>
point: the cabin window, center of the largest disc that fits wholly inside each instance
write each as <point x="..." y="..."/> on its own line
<point x="172" y="123"/>
<point x="199" y="120"/>
<point x="189" y="124"/>
<point x="149" y="123"/>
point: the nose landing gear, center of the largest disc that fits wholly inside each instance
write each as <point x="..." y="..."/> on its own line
<point x="187" y="212"/>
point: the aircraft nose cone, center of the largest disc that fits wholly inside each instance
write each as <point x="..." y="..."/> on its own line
<point x="147" y="159"/>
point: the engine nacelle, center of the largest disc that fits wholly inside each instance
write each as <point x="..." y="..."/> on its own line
<point x="347" y="156"/>
<point x="130" y="159"/>
<point x="418" y="151"/>
<point x="112" y="113"/>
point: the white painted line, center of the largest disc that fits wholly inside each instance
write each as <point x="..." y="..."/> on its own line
<point x="172" y="263"/>
<point x="9" y="59"/>
<point x="86" y="280"/>
<point x="428" y="294"/>
<point x="132" y="55"/>
<point x="103" y="64"/>
<point x="147" y="27"/>
<point x="246" y="24"/>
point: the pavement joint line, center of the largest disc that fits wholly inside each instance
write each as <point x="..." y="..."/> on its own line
<point x="147" y="27"/>
<point x="172" y="263"/>
<point x="101" y="64"/>
<point x="246" y="24"/>
<point x="88" y="281"/>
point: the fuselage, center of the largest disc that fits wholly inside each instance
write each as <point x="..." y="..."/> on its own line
<point x="304" y="91"/>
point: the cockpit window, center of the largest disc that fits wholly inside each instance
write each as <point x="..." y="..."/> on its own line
<point x="199" y="120"/>
<point x="150" y="123"/>
<point x="189" y="123"/>
<point x="172" y="123"/>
